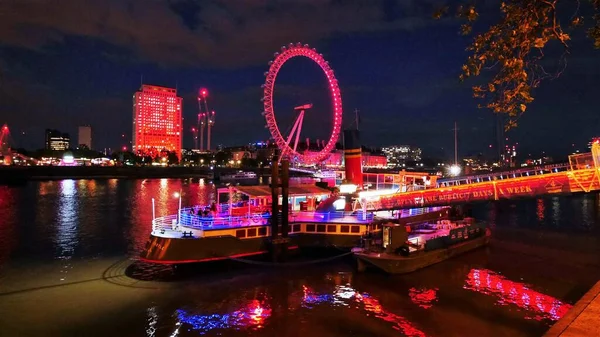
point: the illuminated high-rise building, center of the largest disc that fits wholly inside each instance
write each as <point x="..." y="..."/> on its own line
<point x="85" y="137"/>
<point x="156" y="121"/>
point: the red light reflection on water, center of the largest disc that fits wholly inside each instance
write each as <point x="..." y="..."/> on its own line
<point x="509" y="292"/>
<point x="423" y="297"/>
<point x="370" y="304"/>
<point x="540" y="209"/>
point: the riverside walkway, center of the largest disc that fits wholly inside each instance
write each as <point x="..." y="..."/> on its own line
<point x="583" y="320"/>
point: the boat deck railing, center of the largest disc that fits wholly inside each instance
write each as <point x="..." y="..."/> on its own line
<point x="175" y="225"/>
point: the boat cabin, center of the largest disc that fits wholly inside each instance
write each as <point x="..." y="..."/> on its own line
<point x="258" y="199"/>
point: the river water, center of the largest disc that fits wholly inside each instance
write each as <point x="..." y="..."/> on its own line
<point x="67" y="268"/>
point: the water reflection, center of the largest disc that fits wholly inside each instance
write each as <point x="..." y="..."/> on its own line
<point x="152" y="321"/>
<point x="555" y="211"/>
<point x="66" y="238"/>
<point x="540" y="209"/>
<point x="423" y="297"/>
<point x="509" y="292"/>
<point x="8" y="235"/>
<point x="256" y="312"/>
<point x="252" y="315"/>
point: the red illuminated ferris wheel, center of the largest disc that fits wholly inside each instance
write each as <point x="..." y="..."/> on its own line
<point x="289" y="150"/>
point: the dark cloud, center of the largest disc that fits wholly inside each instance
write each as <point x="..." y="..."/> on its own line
<point x="208" y="32"/>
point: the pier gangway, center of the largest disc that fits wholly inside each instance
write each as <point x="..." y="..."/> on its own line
<point x="580" y="175"/>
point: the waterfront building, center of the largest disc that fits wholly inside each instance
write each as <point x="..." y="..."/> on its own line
<point x="85" y="137"/>
<point x="397" y="155"/>
<point x="157" y="124"/>
<point x="56" y="140"/>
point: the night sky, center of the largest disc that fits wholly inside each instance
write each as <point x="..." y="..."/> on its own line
<point x="75" y="62"/>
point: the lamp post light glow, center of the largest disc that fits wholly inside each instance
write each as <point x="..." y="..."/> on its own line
<point x="454" y="170"/>
<point x="348" y="188"/>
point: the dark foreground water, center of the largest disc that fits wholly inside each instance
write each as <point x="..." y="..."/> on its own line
<point x="66" y="269"/>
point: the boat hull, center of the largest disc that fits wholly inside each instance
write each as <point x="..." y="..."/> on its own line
<point x="395" y="264"/>
<point x="190" y="250"/>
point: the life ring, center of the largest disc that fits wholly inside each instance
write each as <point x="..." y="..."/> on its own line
<point x="256" y="218"/>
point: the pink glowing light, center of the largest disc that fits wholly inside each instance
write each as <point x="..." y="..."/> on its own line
<point x="423" y="297"/>
<point x="269" y="86"/>
<point x="509" y="292"/>
<point x="369" y="304"/>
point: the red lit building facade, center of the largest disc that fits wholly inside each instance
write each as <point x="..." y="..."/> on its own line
<point x="336" y="160"/>
<point x="157" y="123"/>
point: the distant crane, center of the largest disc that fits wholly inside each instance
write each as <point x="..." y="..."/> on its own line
<point x="4" y="135"/>
<point x="206" y="118"/>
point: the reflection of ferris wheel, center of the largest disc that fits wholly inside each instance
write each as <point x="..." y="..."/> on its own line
<point x="289" y="150"/>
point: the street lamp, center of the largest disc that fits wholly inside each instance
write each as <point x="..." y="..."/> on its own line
<point x="454" y="170"/>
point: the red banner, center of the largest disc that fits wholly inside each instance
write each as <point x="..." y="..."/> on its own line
<point x="554" y="183"/>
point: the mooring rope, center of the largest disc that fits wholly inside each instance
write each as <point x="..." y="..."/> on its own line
<point x="290" y="264"/>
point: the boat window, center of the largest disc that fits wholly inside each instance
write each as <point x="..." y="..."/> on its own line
<point x="296" y="228"/>
<point x="355" y="229"/>
<point x="262" y="231"/>
<point x="240" y="233"/>
<point x="251" y="232"/>
<point x="321" y="228"/>
<point x="310" y="228"/>
<point x="345" y="229"/>
<point x="331" y="228"/>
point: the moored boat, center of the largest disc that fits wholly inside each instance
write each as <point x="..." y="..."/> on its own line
<point x="243" y="228"/>
<point x="238" y="176"/>
<point x="401" y="249"/>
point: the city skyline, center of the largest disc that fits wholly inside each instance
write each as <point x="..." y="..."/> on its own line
<point x="391" y="70"/>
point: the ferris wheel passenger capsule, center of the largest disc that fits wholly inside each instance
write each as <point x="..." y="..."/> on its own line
<point x="266" y="73"/>
<point x="270" y="63"/>
<point x="275" y="55"/>
<point x="291" y="45"/>
<point x="306" y="46"/>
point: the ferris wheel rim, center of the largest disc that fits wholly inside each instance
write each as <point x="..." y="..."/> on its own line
<point x="299" y="50"/>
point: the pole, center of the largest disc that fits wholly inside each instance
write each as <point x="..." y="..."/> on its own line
<point x="208" y="123"/>
<point x="455" y="144"/>
<point x="275" y="197"/>
<point x="285" y="180"/>
<point x="153" y="210"/>
<point x="230" y="199"/>
<point x="179" y="210"/>
<point x="201" y="123"/>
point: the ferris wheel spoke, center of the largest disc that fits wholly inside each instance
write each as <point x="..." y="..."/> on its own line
<point x="295" y="130"/>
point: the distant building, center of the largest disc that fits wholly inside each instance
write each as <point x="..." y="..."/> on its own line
<point x="508" y="157"/>
<point x="85" y="137"/>
<point x="56" y="140"/>
<point x="157" y="123"/>
<point x="398" y="155"/>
